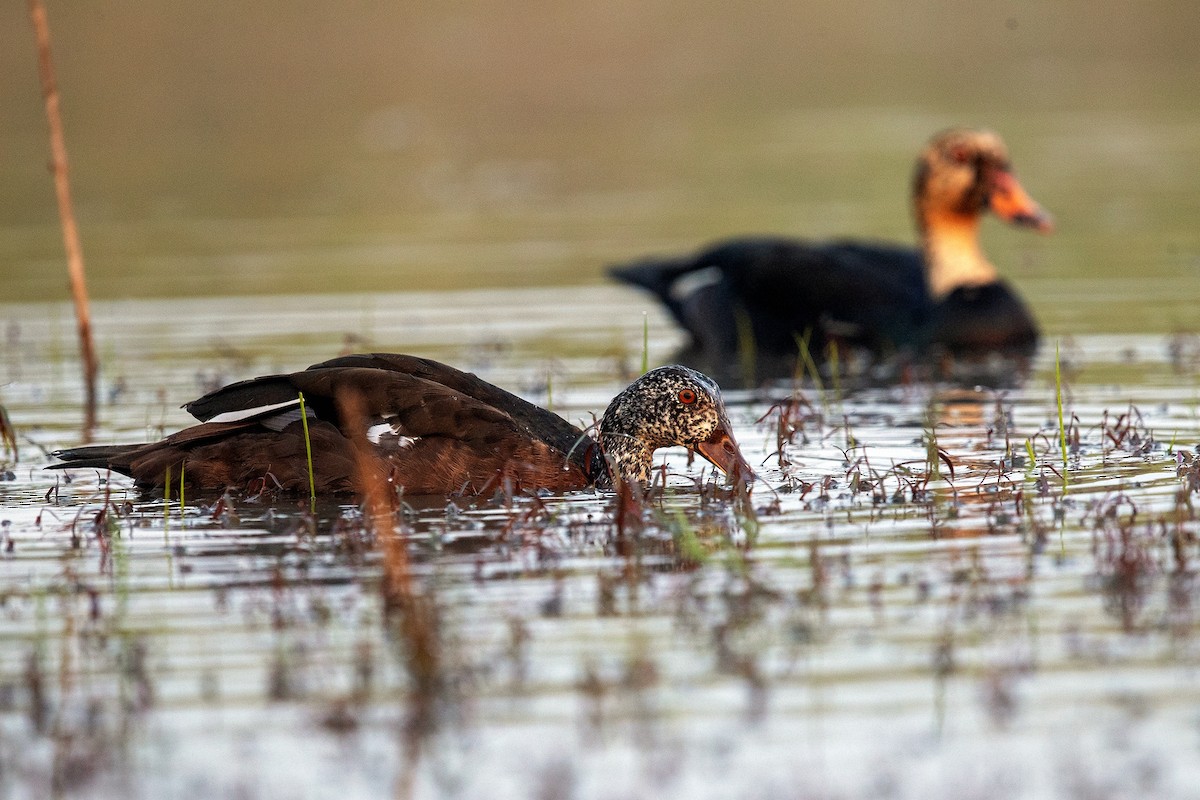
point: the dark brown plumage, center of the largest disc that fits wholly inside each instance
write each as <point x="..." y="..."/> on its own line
<point x="429" y="428"/>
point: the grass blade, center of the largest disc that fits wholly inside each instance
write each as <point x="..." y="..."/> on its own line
<point x="747" y="345"/>
<point x="312" y="484"/>
<point x="1062" y="429"/>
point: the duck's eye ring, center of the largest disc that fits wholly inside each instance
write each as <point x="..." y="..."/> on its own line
<point x="687" y="396"/>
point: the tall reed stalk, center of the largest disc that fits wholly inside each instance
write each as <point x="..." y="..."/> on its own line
<point x="411" y="614"/>
<point x="379" y="503"/>
<point x="66" y="212"/>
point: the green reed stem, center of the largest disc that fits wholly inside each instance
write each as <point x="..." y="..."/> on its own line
<point x="933" y="460"/>
<point x="835" y="371"/>
<point x="1062" y="428"/>
<point x="747" y="345"/>
<point x="809" y="364"/>
<point x="688" y="545"/>
<point x="182" y="472"/>
<point x="312" y="484"/>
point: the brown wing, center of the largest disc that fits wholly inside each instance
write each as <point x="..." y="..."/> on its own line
<point x="384" y="387"/>
<point x="426" y="437"/>
<point x="437" y="438"/>
<point x="433" y="429"/>
<point x="245" y="456"/>
<point x="535" y="420"/>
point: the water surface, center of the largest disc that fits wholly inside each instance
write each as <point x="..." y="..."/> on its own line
<point x="261" y="187"/>
<point x="863" y="628"/>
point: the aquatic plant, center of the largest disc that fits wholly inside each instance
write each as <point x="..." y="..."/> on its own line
<point x="747" y="345"/>
<point x="1187" y="469"/>
<point x="806" y="365"/>
<point x="1127" y="431"/>
<point x="1125" y="561"/>
<point x="66" y="212"/>
<point x="1062" y="429"/>
<point x="312" y="489"/>
<point x="791" y="417"/>
<point x="8" y="436"/>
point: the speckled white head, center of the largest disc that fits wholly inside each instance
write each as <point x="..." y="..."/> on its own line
<point x="669" y="406"/>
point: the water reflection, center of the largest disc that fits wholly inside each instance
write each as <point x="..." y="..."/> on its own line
<point x="762" y="307"/>
<point x="910" y="566"/>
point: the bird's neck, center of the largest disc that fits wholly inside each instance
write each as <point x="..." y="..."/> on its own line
<point x="953" y="258"/>
<point x="630" y="458"/>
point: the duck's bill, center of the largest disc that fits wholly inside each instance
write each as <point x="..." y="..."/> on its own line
<point x="723" y="452"/>
<point x="1012" y="203"/>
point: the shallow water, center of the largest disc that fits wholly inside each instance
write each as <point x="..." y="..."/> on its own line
<point x="861" y="629"/>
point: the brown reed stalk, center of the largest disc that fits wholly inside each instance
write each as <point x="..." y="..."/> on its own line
<point x="8" y="436"/>
<point x="413" y="613"/>
<point x="66" y="213"/>
<point x="379" y="504"/>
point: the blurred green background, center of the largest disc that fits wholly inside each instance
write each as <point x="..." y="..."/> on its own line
<point x="232" y="148"/>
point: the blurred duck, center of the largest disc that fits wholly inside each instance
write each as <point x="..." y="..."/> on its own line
<point x="422" y="427"/>
<point x="757" y="297"/>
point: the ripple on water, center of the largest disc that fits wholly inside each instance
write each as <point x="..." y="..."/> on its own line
<point x="862" y="611"/>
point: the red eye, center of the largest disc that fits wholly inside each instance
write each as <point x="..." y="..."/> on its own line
<point x="960" y="155"/>
<point x="687" y="396"/>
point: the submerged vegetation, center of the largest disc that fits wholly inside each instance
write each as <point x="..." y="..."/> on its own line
<point x="918" y="561"/>
<point x="935" y="592"/>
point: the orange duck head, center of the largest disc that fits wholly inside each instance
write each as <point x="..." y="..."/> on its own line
<point x="962" y="174"/>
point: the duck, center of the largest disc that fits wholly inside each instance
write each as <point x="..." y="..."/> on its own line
<point x="765" y="295"/>
<point x="429" y="429"/>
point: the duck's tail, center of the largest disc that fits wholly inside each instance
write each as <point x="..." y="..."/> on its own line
<point x="658" y="276"/>
<point x="116" y="457"/>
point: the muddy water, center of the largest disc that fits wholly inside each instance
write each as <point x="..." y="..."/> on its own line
<point x="865" y="626"/>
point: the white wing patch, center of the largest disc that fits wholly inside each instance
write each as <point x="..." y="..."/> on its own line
<point x="692" y="282"/>
<point x="277" y="422"/>
<point x="257" y="411"/>
<point x="386" y="434"/>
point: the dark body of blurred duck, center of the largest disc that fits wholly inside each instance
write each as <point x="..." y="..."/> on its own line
<point x="751" y="303"/>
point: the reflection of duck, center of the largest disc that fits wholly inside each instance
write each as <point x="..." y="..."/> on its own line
<point x="431" y="429"/>
<point x="945" y="297"/>
<point x="978" y="493"/>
